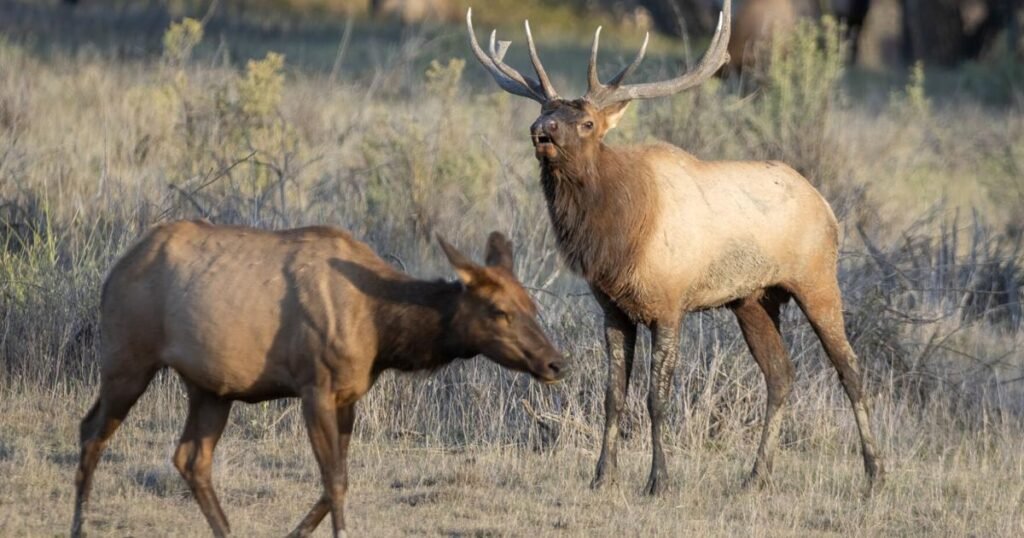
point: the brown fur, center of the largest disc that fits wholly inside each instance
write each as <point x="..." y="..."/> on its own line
<point x="244" y="314"/>
<point x="658" y="233"/>
<point x="599" y="194"/>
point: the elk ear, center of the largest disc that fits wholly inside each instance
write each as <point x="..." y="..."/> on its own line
<point x="467" y="271"/>
<point x="499" y="252"/>
<point x="613" y="113"/>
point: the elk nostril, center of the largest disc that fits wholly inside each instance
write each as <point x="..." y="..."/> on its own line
<point x="555" y="367"/>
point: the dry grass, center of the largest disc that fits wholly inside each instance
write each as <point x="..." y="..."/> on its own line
<point x="97" y="145"/>
<point x="971" y="486"/>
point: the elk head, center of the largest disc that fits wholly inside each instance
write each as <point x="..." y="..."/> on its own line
<point x="496" y="317"/>
<point x="568" y="129"/>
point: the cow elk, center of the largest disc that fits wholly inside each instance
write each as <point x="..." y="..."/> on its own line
<point x="758" y="22"/>
<point x="243" y="314"/>
<point x="658" y="233"/>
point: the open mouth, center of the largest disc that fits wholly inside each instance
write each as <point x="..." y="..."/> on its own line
<point x="541" y="139"/>
<point x="544" y="147"/>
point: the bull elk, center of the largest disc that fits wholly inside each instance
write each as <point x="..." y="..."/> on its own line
<point x="658" y="233"/>
<point x="243" y="314"/>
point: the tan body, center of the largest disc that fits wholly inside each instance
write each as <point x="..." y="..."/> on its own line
<point x="658" y="233"/>
<point x="762" y="223"/>
<point x="244" y="314"/>
<point x="178" y="297"/>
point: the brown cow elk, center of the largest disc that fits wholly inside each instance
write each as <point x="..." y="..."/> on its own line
<point x="657" y="233"/>
<point x="760" y="21"/>
<point x="243" y="314"/>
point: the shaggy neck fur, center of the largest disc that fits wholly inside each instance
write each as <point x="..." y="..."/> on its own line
<point x="419" y="327"/>
<point x="602" y="206"/>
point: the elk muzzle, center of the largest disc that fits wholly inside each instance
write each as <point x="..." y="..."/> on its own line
<point x="543" y="133"/>
<point x="550" y="367"/>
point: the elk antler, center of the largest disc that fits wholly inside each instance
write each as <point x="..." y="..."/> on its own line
<point x="716" y="56"/>
<point x="508" y="78"/>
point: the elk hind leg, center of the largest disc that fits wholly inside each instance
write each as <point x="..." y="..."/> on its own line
<point x="118" y="393"/>
<point x="822" y="304"/>
<point x="207" y="416"/>
<point x="758" y="317"/>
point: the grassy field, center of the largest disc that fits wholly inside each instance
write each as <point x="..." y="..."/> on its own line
<point x="267" y="480"/>
<point x="107" y="130"/>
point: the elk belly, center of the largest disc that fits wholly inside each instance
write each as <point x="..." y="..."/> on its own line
<point x="736" y="271"/>
<point x="224" y="337"/>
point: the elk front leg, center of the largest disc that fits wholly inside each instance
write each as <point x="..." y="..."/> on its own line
<point x="346" y="420"/>
<point x="620" y="345"/>
<point x="321" y="416"/>
<point x="665" y="341"/>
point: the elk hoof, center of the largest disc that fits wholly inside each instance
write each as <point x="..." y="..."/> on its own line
<point x="876" y="472"/>
<point x="604" y="474"/>
<point x="655" y="486"/>
<point x="600" y="481"/>
<point x="876" y="480"/>
<point x="299" y="532"/>
<point x="757" y="480"/>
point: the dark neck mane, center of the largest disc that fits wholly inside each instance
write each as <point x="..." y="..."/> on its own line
<point x="416" y="326"/>
<point x="602" y="207"/>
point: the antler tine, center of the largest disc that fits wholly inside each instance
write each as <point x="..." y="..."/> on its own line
<point x="593" y="82"/>
<point x="628" y="70"/>
<point x="713" y="59"/>
<point x="507" y="78"/>
<point x="497" y="52"/>
<point x="545" y="82"/>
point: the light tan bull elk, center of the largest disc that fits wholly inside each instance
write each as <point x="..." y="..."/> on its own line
<point x="243" y="314"/>
<point x="657" y="233"/>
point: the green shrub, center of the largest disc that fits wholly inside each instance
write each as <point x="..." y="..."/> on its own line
<point x="180" y="39"/>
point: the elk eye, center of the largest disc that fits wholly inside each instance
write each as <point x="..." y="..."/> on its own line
<point x="588" y="124"/>
<point x="503" y="315"/>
